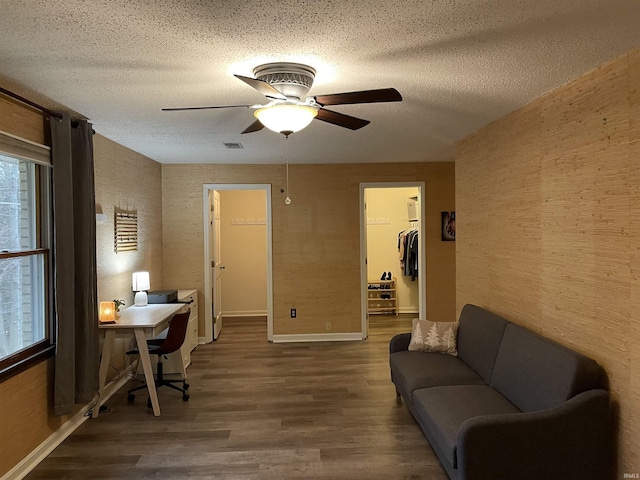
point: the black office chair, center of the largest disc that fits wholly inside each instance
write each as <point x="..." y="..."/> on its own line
<point x="161" y="347"/>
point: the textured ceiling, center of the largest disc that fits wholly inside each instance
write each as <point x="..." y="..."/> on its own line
<point x="459" y="64"/>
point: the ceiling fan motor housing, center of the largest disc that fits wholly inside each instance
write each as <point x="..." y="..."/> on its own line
<point x="290" y="79"/>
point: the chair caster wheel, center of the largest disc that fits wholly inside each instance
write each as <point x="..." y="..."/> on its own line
<point x="131" y="397"/>
<point x="185" y="397"/>
<point x="185" y="386"/>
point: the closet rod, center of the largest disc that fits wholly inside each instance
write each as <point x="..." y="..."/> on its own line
<point x="30" y="103"/>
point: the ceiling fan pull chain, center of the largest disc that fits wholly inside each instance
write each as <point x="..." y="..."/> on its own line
<point x="287" y="200"/>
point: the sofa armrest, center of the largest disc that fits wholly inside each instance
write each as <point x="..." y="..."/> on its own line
<point x="572" y="441"/>
<point x="399" y="343"/>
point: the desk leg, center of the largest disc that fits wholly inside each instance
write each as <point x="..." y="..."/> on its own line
<point x="107" y="347"/>
<point x="141" y="340"/>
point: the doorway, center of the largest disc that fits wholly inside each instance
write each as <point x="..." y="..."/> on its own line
<point x="219" y="232"/>
<point x="386" y="210"/>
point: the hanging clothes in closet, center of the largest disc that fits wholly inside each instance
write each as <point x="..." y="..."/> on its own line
<point x="408" y="243"/>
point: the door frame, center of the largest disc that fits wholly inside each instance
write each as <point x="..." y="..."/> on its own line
<point x="422" y="257"/>
<point x="207" y="187"/>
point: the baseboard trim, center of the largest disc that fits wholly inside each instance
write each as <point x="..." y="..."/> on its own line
<point x="410" y="310"/>
<point x="31" y="461"/>
<point x="318" y="337"/>
<point x="245" y="313"/>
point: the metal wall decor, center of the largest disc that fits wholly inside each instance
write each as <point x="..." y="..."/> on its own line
<point x="126" y="231"/>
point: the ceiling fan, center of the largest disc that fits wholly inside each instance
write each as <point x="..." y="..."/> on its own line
<point x="289" y="110"/>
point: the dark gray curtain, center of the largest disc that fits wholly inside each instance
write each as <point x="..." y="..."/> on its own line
<point x="74" y="258"/>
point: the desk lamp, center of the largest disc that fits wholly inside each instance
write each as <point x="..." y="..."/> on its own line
<point x="140" y="285"/>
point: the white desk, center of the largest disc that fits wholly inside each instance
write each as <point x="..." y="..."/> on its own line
<point x="144" y="322"/>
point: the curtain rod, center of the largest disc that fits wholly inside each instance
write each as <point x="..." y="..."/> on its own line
<point x="30" y="103"/>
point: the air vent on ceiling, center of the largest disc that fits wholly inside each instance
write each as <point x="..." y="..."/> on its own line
<point x="233" y="145"/>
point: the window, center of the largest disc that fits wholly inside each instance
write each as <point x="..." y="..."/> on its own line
<point x="25" y="329"/>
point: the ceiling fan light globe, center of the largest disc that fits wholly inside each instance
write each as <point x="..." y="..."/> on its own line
<point x="286" y="117"/>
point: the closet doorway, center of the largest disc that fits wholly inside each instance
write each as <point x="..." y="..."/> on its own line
<point x="392" y="240"/>
<point x="237" y="254"/>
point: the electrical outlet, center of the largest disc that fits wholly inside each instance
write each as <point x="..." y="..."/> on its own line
<point x="293" y="313"/>
<point x="327" y="326"/>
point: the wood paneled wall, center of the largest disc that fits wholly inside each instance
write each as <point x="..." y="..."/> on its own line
<point x="316" y="239"/>
<point x="548" y="219"/>
<point x="26" y="419"/>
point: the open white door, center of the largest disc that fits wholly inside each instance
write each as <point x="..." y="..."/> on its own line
<point x="216" y="264"/>
<point x="364" y="269"/>
<point x="213" y="263"/>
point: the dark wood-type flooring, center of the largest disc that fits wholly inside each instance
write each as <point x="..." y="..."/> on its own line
<point x="260" y="411"/>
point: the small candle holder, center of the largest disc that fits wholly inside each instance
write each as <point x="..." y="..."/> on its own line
<point x="107" y="312"/>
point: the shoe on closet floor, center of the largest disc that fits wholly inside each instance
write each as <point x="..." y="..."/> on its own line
<point x="384" y="276"/>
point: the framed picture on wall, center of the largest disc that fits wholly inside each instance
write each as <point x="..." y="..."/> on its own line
<point x="448" y="226"/>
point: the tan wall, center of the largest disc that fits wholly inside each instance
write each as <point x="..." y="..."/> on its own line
<point x="316" y="239"/>
<point x="122" y="177"/>
<point x="316" y="249"/>
<point x="548" y="210"/>
<point x="127" y="180"/>
<point x="20" y="120"/>
<point x="382" y="241"/>
<point x="243" y="252"/>
<point x="27" y="417"/>
<point x="26" y="398"/>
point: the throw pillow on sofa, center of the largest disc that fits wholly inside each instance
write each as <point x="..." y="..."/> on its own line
<point x="437" y="337"/>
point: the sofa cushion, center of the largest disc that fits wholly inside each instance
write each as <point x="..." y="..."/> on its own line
<point x="413" y="370"/>
<point x="536" y="373"/>
<point x="436" y="337"/>
<point x="442" y="410"/>
<point x="479" y="338"/>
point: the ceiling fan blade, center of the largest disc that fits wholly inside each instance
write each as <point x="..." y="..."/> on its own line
<point x="364" y="96"/>
<point x="254" y="127"/>
<point x="263" y="87"/>
<point x="204" y="108"/>
<point x="341" y="119"/>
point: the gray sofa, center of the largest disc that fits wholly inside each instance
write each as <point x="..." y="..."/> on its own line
<point x="512" y="405"/>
